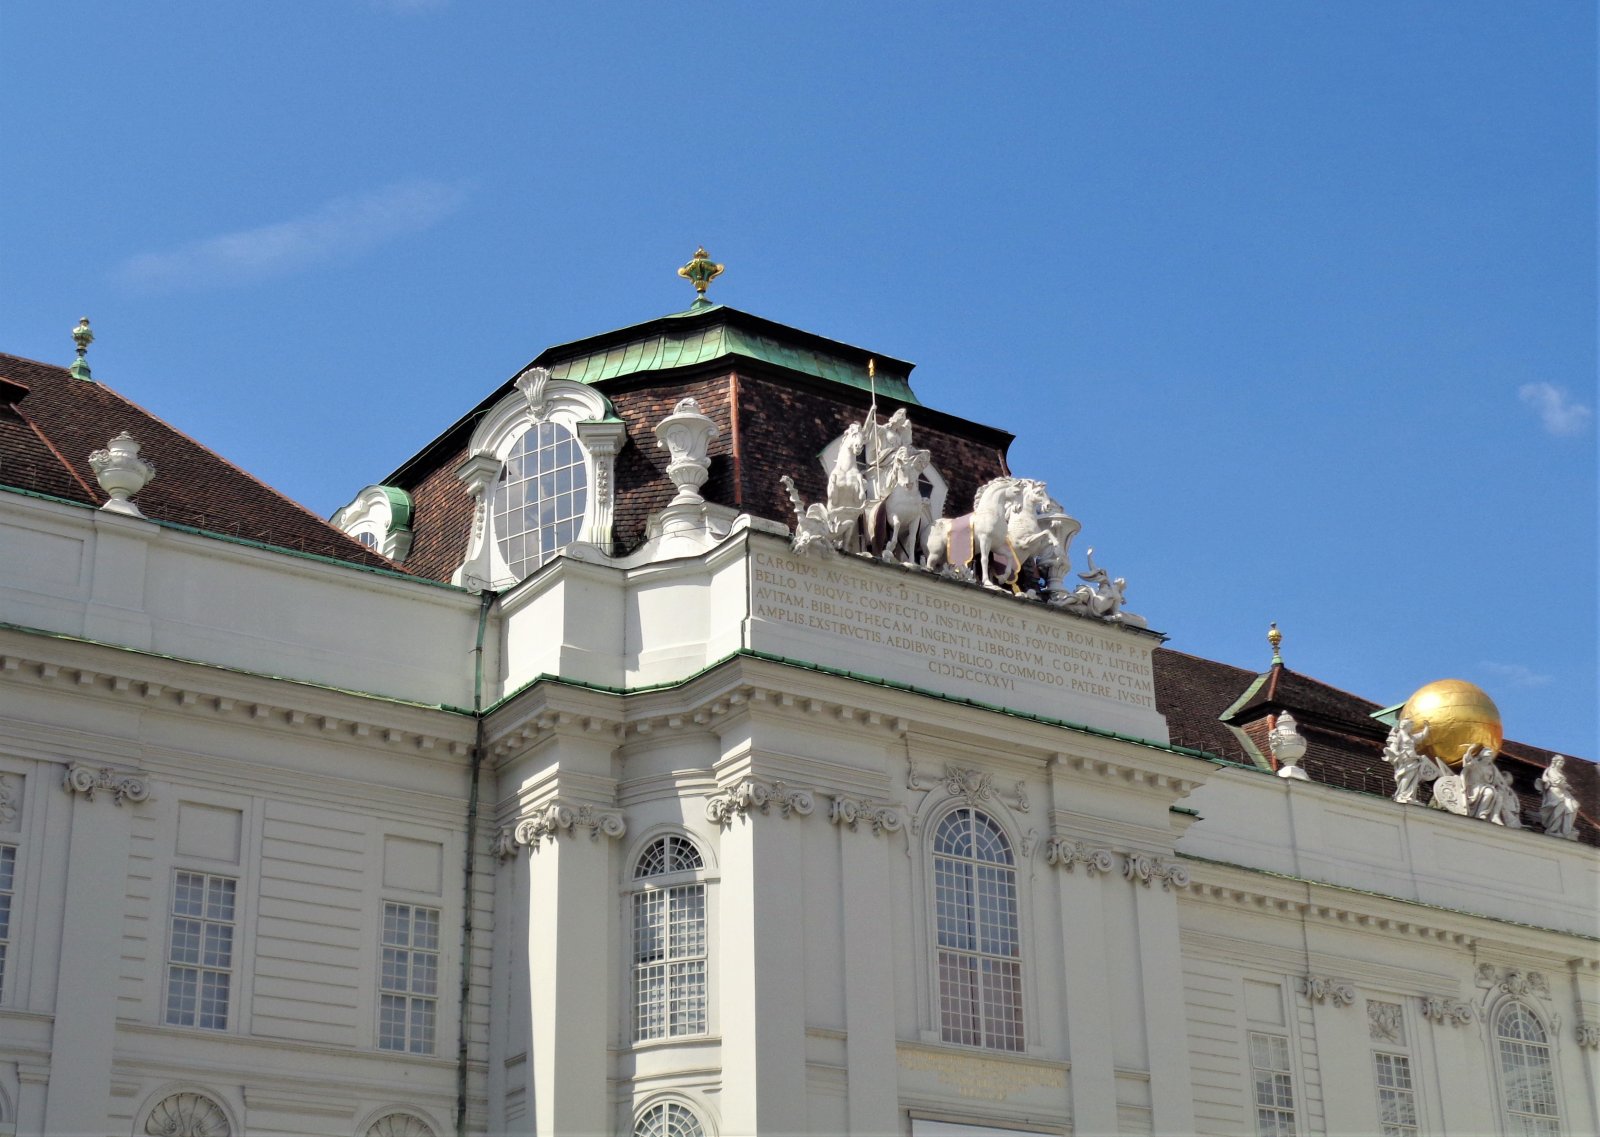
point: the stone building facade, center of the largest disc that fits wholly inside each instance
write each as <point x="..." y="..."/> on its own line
<point x="575" y="780"/>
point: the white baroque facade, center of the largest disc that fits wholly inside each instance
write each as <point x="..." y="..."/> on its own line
<point x="714" y="837"/>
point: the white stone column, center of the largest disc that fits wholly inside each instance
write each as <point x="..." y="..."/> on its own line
<point x="869" y="985"/>
<point x="763" y="971"/>
<point x="1461" y="1064"/>
<point x="1166" y="1026"/>
<point x="84" y="1032"/>
<point x="1087" y="988"/>
<point x="571" y="898"/>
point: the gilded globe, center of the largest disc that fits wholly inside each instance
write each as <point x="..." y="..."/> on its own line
<point x="1458" y="714"/>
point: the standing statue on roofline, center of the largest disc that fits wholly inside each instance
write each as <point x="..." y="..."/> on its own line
<point x="1558" y="809"/>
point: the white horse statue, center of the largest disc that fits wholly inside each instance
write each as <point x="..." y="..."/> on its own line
<point x="901" y="511"/>
<point x="847" y="491"/>
<point x="1012" y="521"/>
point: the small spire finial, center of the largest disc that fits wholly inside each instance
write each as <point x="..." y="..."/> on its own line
<point x="1275" y="637"/>
<point x="700" y="271"/>
<point x="82" y="337"/>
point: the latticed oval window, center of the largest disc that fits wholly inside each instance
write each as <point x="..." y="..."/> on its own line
<point x="400" y="1125"/>
<point x="668" y="1119"/>
<point x="979" y="953"/>
<point x="187" y="1115"/>
<point x="541" y="498"/>
<point x="1527" y="1077"/>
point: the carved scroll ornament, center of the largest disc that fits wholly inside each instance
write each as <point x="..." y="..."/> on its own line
<point x="971" y="784"/>
<point x="755" y="796"/>
<point x="550" y="820"/>
<point x="1320" y="989"/>
<point x="1143" y="868"/>
<point x="854" y="811"/>
<point x="122" y="785"/>
<point x="1455" y="1012"/>
<point x="1065" y="853"/>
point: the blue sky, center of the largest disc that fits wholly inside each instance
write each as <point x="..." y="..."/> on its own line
<point x="1292" y="304"/>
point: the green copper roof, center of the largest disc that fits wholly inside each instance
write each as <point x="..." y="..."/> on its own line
<point x="708" y="332"/>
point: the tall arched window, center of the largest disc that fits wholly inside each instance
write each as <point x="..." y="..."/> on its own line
<point x="668" y="1119"/>
<point x="540" y="501"/>
<point x="669" y="941"/>
<point x="979" y="954"/>
<point x="1527" y="1080"/>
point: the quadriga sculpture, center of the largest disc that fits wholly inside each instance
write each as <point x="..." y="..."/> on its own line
<point x="1012" y="520"/>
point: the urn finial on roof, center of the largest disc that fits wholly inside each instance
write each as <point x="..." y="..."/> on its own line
<point x="121" y="473"/>
<point x="700" y="271"/>
<point x="82" y="337"/>
<point x="1275" y="637"/>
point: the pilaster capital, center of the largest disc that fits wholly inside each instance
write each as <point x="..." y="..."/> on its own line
<point x="553" y="819"/>
<point x="122" y="785"/>
<point x="882" y="817"/>
<point x="752" y="795"/>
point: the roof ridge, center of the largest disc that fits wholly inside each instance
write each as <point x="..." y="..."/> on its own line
<point x="51" y="446"/>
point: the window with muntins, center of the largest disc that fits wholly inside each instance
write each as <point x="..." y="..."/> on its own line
<point x="541" y="497"/>
<point x="668" y="1119"/>
<point x="408" y="999"/>
<point x="8" y="889"/>
<point x="200" y="950"/>
<point x="979" y="952"/>
<point x="1527" y="1078"/>
<point x="669" y="942"/>
<point x="1274" y="1085"/>
<point x="1397" y="1096"/>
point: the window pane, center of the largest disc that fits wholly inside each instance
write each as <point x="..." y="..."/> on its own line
<point x="541" y="497"/>
<point x="976" y="926"/>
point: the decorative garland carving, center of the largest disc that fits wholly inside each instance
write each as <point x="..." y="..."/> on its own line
<point x="1441" y="1012"/>
<point x="8" y="800"/>
<point x="853" y="811"/>
<point x="968" y="783"/>
<point x="1514" y="981"/>
<point x="1065" y="853"/>
<point x="1320" y="989"/>
<point x="1588" y="1034"/>
<point x="754" y="795"/>
<point x="122" y="785"/>
<point x="1386" y="1022"/>
<point x="1143" y="868"/>
<point x="548" y="821"/>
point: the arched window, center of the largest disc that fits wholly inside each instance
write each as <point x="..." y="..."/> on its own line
<point x="1527" y="1079"/>
<point x="541" y="498"/>
<point x="668" y="1119"/>
<point x="669" y="943"/>
<point x="979" y="953"/>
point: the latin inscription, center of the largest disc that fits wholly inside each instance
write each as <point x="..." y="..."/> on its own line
<point x="947" y="634"/>
<point x="982" y="1078"/>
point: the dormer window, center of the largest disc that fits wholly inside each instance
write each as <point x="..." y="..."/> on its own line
<point x="540" y="472"/>
<point x="380" y="518"/>
<point x="542" y="497"/>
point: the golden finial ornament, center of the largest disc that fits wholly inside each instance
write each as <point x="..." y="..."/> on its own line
<point x="82" y="337"/>
<point x="1275" y="637"/>
<point x="700" y="271"/>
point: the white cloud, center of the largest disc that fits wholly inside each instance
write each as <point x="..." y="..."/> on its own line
<point x="1560" y="415"/>
<point x="341" y="228"/>
<point x="1515" y="674"/>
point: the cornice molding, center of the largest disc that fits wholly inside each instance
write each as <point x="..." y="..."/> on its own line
<point x="209" y="701"/>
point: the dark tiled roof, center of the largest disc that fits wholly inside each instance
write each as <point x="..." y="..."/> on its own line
<point x="1201" y="698"/>
<point x="48" y="433"/>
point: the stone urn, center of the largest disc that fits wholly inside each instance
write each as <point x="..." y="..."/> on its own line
<point x="1288" y="747"/>
<point x="121" y="473"/>
<point x="684" y="434"/>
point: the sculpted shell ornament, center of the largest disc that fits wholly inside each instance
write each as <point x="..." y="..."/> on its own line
<point x="754" y="795"/>
<point x="187" y="1115"/>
